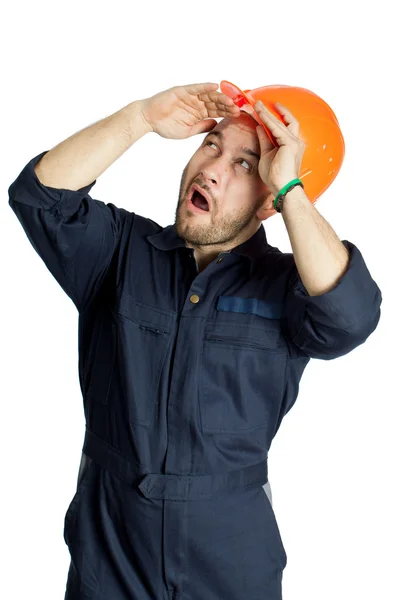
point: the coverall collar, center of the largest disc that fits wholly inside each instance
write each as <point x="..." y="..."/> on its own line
<point x="253" y="248"/>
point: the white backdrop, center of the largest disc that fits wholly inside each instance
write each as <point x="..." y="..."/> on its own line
<point x="334" y="464"/>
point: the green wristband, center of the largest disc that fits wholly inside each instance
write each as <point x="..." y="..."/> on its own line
<point x="285" y="190"/>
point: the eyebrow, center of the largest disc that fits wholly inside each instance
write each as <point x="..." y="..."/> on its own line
<point x="248" y="151"/>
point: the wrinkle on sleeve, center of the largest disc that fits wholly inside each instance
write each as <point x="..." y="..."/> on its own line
<point x="334" y="323"/>
<point x="75" y="235"/>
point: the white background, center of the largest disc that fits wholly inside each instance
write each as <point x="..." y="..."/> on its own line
<point x="334" y="464"/>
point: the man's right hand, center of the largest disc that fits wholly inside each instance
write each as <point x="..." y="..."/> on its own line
<point x="185" y="110"/>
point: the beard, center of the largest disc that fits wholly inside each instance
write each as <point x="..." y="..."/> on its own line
<point x="215" y="230"/>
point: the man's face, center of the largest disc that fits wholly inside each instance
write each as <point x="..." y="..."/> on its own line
<point x="239" y="199"/>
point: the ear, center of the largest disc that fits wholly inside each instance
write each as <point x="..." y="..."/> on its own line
<point x="267" y="209"/>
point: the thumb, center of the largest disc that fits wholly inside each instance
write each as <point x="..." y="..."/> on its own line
<point x="203" y="126"/>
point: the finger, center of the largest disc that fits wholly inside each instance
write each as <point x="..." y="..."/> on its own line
<point x="231" y="108"/>
<point x="217" y="98"/>
<point x="213" y="110"/>
<point x="265" y="143"/>
<point x="226" y="110"/>
<point x="209" y="104"/>
<point x="218" y="112"/>
<point x="262" y="110"/>
<point x="200" y="88"/>
<point x="203" y="126"/>
<point x="201" y="111"/>
<point x="278" y="129"/>
<point x="212" y="104"/>
<point x="262" y="137"/>
<point x="292" y="123"/>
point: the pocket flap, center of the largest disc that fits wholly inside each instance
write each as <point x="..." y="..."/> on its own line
<point x="143" y="314"/>
<point x="246" y="335"/>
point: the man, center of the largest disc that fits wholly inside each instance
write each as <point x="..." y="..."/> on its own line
<point x="192" y="341"/>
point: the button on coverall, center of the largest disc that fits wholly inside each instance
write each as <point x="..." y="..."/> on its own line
<point x="185" y="379"/>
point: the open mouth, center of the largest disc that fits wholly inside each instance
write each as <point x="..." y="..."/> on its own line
<point x="199" y="201"/>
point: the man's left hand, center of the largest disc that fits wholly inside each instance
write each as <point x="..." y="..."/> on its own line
<point x="278" y="166"/>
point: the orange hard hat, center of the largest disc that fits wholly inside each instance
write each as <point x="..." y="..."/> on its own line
<point x="319" y="129"/>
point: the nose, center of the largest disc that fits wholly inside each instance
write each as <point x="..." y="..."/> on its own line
<point x="212" y="173"/>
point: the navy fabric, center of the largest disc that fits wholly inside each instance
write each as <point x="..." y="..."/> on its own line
<point x="185" y="379"/>
<point x="255" y="306"/>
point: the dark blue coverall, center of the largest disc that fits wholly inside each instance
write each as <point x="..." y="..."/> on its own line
<point x="185" y="378"/>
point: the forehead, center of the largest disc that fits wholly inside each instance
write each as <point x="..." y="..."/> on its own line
<point x="243" y="126"/>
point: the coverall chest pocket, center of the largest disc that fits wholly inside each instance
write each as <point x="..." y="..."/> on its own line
<point x="144" y="337"/>
<point x="242" y="375"/>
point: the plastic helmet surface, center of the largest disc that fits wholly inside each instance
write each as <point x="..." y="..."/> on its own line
<point x="319" y="129"/>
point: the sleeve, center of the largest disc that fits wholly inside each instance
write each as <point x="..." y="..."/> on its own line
<point x="75" y="235"/>
<point x="334" y="323"/>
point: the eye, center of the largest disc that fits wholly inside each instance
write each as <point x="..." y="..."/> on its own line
<point x="240" y="160"/>
<point x="244" y="160"/>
